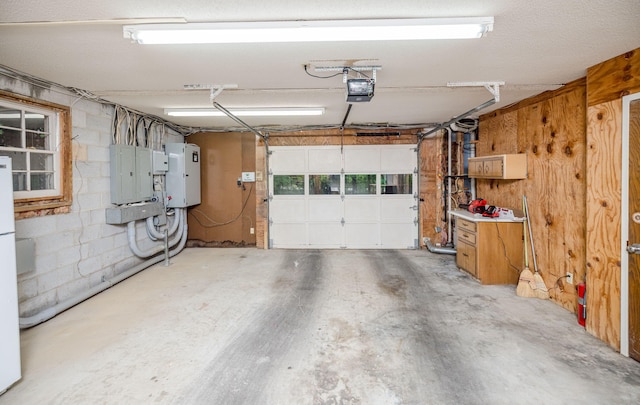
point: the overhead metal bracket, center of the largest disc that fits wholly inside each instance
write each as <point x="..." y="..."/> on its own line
<point x="493" y="87"/>
<point x="345" y="70"/>
<point x="216" y="89"/>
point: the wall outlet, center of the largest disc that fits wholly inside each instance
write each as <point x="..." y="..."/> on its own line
<point x="569" y="278"/>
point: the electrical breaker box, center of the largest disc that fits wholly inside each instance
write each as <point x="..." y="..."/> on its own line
<point x="183" y="177"/>
<point x="130" y="174"/>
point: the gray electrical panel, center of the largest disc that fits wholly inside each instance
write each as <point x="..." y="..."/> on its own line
<point x="183" y="176"/>
<point x="131" y="177"/>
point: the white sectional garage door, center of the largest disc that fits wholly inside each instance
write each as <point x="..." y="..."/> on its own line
<point x="358" y="197"/>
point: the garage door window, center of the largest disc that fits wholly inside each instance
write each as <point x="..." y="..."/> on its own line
<point x="360" y="184"/>
<point x="324" y="184"/>
<point x="291" y="184"/>
<point x="396" y="183"/>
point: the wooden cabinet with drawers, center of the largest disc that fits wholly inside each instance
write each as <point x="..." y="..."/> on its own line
<point x="513" y="166"/>
<point x="490" y="250"/>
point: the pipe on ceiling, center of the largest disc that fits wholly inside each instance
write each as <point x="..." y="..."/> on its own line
<point x="459" y="117"/>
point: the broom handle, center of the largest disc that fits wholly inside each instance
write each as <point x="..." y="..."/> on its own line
<point x="533" y="249"/>
<point x="526" y="257"/>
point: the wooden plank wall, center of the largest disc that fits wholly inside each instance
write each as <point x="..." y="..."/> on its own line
<point x="607" y="83"/>
<point x="604" y="171"/>
<point x="432" y="213"/>
<point x="429" y="191"/>
<point x="550" y="129"/>
<point x="573" y="141"/>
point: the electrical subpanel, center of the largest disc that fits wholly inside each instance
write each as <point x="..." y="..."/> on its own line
<point x="130" y="174"/>
<point x="183" y="176"/>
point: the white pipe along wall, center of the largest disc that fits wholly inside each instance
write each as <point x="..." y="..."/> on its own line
<point x="133" y="244"/>
<point x="45" y="315"/>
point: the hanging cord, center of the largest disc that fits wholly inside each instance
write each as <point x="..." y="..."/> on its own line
<point x="347" y="68"/>
<point x="214" y="223"/>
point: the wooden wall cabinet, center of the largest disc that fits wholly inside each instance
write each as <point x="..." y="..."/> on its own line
<point x="512" y="166"/>
<point x="489" y="250"/>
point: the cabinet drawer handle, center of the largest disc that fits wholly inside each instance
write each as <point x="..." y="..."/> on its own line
<point x="465" y="255"/>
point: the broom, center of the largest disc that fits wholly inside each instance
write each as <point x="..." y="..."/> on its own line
<point x="541" y="289"/>
<point x="526" y="282"/>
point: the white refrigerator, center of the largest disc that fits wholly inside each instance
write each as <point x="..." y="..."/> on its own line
<point x="9" y="328"/>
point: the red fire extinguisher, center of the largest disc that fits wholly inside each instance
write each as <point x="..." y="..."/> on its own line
<point x="582" y="303"/>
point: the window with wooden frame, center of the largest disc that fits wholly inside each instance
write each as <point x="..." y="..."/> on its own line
<point x="36" y="135"/>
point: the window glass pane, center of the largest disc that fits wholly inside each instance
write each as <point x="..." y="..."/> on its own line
<point x="324" y="184"/>
<point x="37" y="126"/>
<point x="288" y="184"/>
<point x="41" y="181"/>
<point x="18" y="159"/>
<point x="41" y="161"/>
<point x="395" y="183"/>
<point x="10" y="138"/>
<point x="37" y="140"/>
<point x="19" y="181"/>
<point x="360" y="183"/>
<point x="10" y="118"/>
<point x="35" y="122"/>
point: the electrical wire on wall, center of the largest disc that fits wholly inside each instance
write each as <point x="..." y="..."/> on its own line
<point x="213" y="223"/>
<point x="133" y="128"/>
<point x="344" y="71"/>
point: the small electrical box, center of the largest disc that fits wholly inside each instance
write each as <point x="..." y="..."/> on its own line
<point x="248" y="177"/>
<point x="160" y="162"/>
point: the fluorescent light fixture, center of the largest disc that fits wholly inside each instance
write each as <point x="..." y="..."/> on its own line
<point x="244" y="112"/>
<point x="310" y="31"/>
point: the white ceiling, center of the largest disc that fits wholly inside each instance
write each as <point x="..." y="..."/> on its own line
<point x="535" y="46"/>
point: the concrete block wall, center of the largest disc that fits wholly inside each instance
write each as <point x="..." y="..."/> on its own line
<point x="78" y="250"/>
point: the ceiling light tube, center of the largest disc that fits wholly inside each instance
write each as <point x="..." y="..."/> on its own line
<point x="310" y="31"/>
<point x="244" y="112"/>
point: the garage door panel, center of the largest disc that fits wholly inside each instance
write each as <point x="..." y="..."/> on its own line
<point x="288" y="161"/>
<point x="398" y="235"/>
<point x="397" y="209"/>
<point x="378" y="215"/>
<point x="289" y="235"/>
<point x="325" y="160"/>
<point x="362" y="236"/>
<point x="325" y="235"/>
<point x="400" y="160"/>
<point x="325" y="209"/>
<point x="288" y="210"/>
<point x="364" y="160"/>
<point x="362" y="209"/>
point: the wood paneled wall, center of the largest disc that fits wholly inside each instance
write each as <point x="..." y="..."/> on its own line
<point x="607" y="83"/>
<point x="573" y="141"/>
<point x="227" y="211"/>
<point x="550" y="130"/>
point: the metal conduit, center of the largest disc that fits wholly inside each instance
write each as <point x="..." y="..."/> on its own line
<point x="46" y="314"/>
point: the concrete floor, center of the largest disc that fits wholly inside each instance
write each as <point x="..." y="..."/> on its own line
<point x="248" y="326"/>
